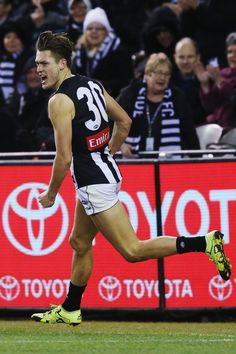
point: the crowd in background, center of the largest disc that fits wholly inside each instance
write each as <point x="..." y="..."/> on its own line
<point x="170" y="64"/>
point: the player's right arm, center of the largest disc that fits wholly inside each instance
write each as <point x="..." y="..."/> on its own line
<point x="61" y="113"/>
<point x="122" y="123"/>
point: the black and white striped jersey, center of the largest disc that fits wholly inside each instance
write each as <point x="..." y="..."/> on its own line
<point x="92" y="162"/>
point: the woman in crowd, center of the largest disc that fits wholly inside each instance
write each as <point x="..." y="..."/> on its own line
<point x="218" y="88"/>
<point x="100" y="55"/>
<point x="162" y="118"/>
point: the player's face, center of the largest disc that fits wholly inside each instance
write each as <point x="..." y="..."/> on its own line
<point x="48" y="69"/>
<point x="186" y="59"/>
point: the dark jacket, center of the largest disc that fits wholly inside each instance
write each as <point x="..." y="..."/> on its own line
<point x="139" y="127"/>
<point x="29" y="118"/>
<point x="114" y="71"/>
<point x="191" y="88"/>
<point x="162" y="18"/>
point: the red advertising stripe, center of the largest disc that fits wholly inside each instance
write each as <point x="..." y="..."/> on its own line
<point x="197" y="198"/>
<point x="35" y="255"/>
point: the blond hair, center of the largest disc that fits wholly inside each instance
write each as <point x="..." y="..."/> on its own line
<point x="155" y="60"/>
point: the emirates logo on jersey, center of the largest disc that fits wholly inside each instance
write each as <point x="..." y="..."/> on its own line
<point x="96" y="141"/>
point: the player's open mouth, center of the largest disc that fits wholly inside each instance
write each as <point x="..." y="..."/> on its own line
<point x="43" y="79"/>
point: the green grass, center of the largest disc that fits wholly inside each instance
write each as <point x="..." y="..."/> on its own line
<point x="118" y="337"/>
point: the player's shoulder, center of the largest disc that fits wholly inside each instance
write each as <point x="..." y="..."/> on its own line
<point x="59" y="101"/>
<point x="76" y="81"/>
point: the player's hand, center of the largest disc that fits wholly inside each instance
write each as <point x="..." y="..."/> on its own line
<point x="45" y="200"/>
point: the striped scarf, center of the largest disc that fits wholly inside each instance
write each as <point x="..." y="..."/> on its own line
<point x="109" y="44"/>
<point x="168" y="138"/>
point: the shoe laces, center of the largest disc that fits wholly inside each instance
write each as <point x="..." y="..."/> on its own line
<point x="51" y="313"/>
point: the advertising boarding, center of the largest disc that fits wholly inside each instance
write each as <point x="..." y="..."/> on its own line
<point x="35" y="255"/>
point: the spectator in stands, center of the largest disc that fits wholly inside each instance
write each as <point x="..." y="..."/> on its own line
<point x="12" y="12"/>
<point x="127" y="19"/>
<point x="5" y="12"/>
<point x="187" y="58"/>
<point x="208" y="23"/>
<point x="100" y="55"/>
<point x="12" y="59"/>
<point x="43" y="15"/>
<point x="160" y="33"/>
<point x="28" y="111"/>
<point x="77" y="12"/>
<point x="162" y="118"/>
<point x="218" y="88"/>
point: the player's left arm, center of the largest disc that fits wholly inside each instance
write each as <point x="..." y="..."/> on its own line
<point x="122" y="123"/>
<point x="61" y="113"/>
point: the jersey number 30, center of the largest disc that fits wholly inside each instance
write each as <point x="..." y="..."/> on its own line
<point x="95" y="102"/>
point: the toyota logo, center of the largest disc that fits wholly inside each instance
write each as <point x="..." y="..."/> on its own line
<point x="9" y="288"/>
<point x="22" y="204"/>
<point x="109" y="288"/>
<point x="219" y="289"/>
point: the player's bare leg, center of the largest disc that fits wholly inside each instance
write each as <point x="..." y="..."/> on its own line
<point x="116" y="227"/>
<point x="81" y="239"/>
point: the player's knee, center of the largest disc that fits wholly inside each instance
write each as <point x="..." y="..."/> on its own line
<point x="78" y="245"/>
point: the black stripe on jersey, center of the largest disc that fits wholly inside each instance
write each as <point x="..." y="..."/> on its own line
<point x="110" y="166"/>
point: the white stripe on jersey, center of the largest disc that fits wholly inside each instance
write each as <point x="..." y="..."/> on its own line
<point x="103" y="167"/>
<point x="110" y="158"/>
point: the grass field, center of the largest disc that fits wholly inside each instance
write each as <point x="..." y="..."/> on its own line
<point x="118" y="337"/>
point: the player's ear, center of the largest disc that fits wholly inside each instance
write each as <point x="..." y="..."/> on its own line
<point x="62" y="64"/>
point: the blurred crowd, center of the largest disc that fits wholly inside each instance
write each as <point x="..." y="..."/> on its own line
<point x="170" y="64"/>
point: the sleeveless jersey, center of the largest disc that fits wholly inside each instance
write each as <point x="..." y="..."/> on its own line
<point x="92" y="162"/>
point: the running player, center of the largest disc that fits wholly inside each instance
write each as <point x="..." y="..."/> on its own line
<point x="80" y="111"/>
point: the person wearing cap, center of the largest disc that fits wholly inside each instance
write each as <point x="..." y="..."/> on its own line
<point x="161" y="32"/>
<point x="77" y="11"/>
<point x="100" y="55"/>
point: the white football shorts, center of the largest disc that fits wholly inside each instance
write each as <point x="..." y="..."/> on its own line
<point x="98" y="197"/>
